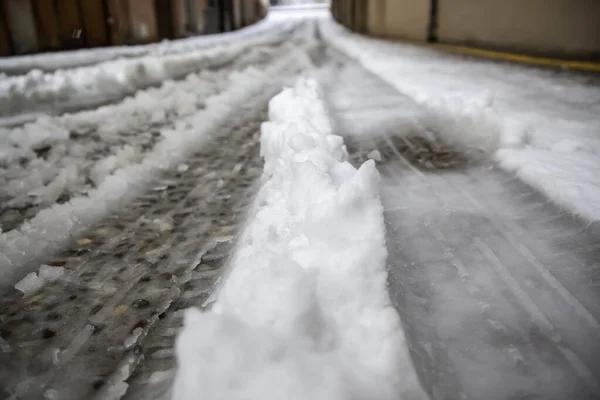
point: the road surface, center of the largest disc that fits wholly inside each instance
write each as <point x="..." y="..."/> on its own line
<point x="498" y="289"/>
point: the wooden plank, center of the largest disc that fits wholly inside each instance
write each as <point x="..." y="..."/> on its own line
<point x="376" y="17"/>
<point x="178" y="18"/>
<point x="5" y="46"/>
<point x="164" y="21"/>
<point x="360" y="15"/>
<point x="118" y="21"/>
<point x="21" y="25"/>
<point x="70" y="26"/>
<point x="238" y="21"/>
<point x="143" y="19"/>
<point x="197" y="21"/>
<point x="249" y="13"/>
<point x="47" y="25"/>
<point x="94" y="22"/>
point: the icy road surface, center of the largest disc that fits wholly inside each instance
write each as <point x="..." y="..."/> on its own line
<point x="122" y="216"/>
<point x="497" y="287"/>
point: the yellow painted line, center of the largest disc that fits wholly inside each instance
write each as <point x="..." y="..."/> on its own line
<point x="519" y="58"/>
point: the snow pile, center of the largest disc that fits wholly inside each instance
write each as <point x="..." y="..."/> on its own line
<point x="90" y="145"/>
<point x="97" y="84"/>
<point x="55" y="226"/>
<point x="68" y="155"/>
<point x="304" y="312"/>
<point x="543" y="124"/>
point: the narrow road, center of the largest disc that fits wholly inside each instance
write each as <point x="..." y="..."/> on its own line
<point x="498" y="289"/>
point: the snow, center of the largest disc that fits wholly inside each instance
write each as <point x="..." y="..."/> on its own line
<point x="94" y="85"/>
<point x="34" y="281"/>
<point x="304" y="311"/>
<point x="83" y="57"/>
<point x="299" y="11"/>
<point x="56" y="225"/>
<point x="71" y="154"/>
<point x="375" y="155"/>
<point x="543" y="125"/>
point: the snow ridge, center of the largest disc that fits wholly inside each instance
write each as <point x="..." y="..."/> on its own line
<point x="54" y="226"/>
<point x="304" y="311"/>
<point x="111" y="80"/>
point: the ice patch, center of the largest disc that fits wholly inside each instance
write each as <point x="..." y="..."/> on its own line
<point x="35" y="280"/>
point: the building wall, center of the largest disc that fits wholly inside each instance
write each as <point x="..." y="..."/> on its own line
<point x="249" y="10"/>
<point x="195" y="18"/>
<point x="94" y="23"/>
<point x="360" y="15"/>
<point x="21" y="25"/>
<point x="143" y="26"/>
<point x="5" y="48"/>
<point x="47" y="25"/>
<point x="212" y="19"/>
<point x="67" y="16"/>
<point x="569" y="28"/>
<point x="118" y="21"/>
<point x="407" y="19"/>
<point x="178" y="16"/>
<point x="376" y="17"/>
<point x="555" y="28"/>
<point x="238" y="21"/>
<point x="28" y="26"/>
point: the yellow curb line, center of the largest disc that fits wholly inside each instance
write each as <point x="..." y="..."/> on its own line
<point x="518" y="58"/>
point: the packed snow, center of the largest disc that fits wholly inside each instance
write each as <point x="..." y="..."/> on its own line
<point x="111" y="80"/>
<point x="125" y="174"/>
<point x="35" y="280"/>
<point x="543" y="124"/>
<point x="83" y="57"/>
<point x="303" y="312"/>
<point x="299" y="12"/>
<point x="66" y="156"/>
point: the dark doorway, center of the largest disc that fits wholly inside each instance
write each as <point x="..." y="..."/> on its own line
<point x="164" y="19"/>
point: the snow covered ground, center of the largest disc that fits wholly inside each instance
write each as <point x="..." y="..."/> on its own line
<point x="543" y="124"/>
<point x="123" y="159"/>
<point x="76" y="88"/>
<point x="66" y="156"/>
<point x="476" y="257"/>
<point x="77" y="58"/>
<point x="304" y="312"/>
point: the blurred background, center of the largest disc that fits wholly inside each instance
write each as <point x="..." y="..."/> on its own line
<point x="30" y="26"/>
<point x="556" y="28"/>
